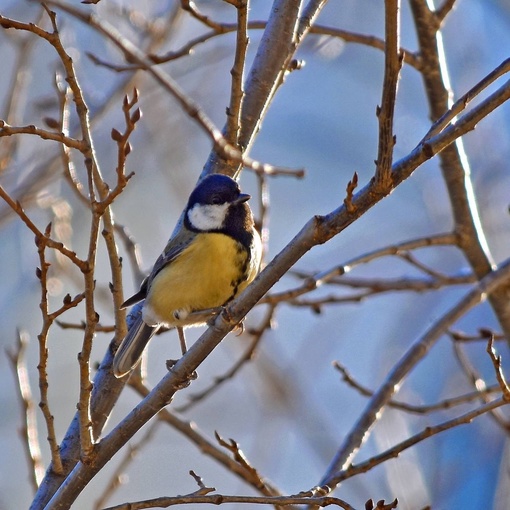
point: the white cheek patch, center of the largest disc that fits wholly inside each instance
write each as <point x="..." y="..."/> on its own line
<point x="207" y="217"/>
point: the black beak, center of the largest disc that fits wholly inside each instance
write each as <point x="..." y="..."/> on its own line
<point x="243" y="197"/>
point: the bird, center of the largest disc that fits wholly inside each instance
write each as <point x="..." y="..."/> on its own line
<point x="210" y="260"/>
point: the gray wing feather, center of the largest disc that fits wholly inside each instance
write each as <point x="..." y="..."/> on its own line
<point x="173" y="249"/>
<point x="130" y="351"/>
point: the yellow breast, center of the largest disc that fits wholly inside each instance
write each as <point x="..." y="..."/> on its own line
<point x="207" y="274"/>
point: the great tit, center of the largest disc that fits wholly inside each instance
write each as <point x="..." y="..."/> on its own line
<point x="213" y="257"/>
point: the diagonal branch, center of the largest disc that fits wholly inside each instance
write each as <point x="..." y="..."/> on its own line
<point x="395" y="451"/>
<point x="409" y="360"/>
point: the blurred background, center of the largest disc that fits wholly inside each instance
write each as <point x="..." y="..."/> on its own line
<point x="288" y="409"/>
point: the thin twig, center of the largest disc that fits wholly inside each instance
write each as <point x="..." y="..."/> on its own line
<point x="14" y="95"/>
<point x="330" y="276"/>
<point x="443" y="10"/>
<point x="478" y="383"/>
<point x="123" y="147"/>
<point x="460" y="105"/>
<point x="496" y="361"/>
<point x="133" y="251"/>
<point x="393" y="59"/>
<point x="447" y="403"/>
<point x="70" y="174"/>
<point x="483" y="335"/>
<point x="81" y="326"/>
<point x="190" y="6"/>
<point x="371" y="41"/>
<point x="338" y="33"/>
<point x="395" y="451"/>
<point x="7" y="130"/>
<point x="50" y="243"/>
<point x="202" y="489"/>
<point x="233" y="125"/>
<point x="219" y="499"/>
<point x="371" y="287"/>
<point x="42" y="274"/>
<point x="29" y="429"/>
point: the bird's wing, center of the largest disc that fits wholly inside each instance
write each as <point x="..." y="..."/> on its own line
<point x="135" y="298"/>
<point x="173" y="249"/>
<point x="131" y="348"/>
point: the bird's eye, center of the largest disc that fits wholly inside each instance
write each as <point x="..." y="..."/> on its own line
<point x="216" y="200"/>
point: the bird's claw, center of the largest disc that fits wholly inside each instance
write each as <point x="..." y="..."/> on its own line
<point x="170" y="363"/>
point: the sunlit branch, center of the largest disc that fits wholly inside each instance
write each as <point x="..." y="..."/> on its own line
<point x="28" y="431"/>
<point x="428" y="432"/>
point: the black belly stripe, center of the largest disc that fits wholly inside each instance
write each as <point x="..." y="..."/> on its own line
<point x="243" y="266"/>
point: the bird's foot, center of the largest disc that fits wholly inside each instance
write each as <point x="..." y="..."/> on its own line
<point x="170" y="363"/>
<point x="205" y="316"/>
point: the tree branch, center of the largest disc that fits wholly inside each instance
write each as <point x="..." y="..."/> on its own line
<point x="454" y="163"/>
<point x="360" y="432"/>
<point x="385" y="112"/>
<point x="29" y="429"/>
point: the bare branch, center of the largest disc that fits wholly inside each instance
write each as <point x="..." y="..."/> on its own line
<point x="191" y="431"/>
<point x="367" y="40"/>
<point x="483" y="335"/>
<point x="317" y="231"/>
<point x="331" y="275"/>
<point x="221" y="145"/>
<point x="190" y="6"/>
<point x="443" y="10"/>
<point x="408" y="361"/>
<point x="461" y="104"/>
<point x="50" y="243"/>
<point x="42" y="367"/>
<point x="233" y="126"/>
<point x="274" y="53"/>
<point x="394" y="452"/>
<point x="479" y="384"/>
<point x="219" y="499"/>
<point x="385" y="112"/>
<point x="454" y="162"/>
<point x="447" y="403"/>
<point x="29" y="429"/>
<point x="7" y="130"/>
<point x="496" y="361"/>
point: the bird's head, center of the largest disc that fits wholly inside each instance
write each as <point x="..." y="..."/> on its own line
<point x="213" y="201"/>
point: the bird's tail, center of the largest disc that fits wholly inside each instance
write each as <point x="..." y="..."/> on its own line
<point x="130" y="351"/>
